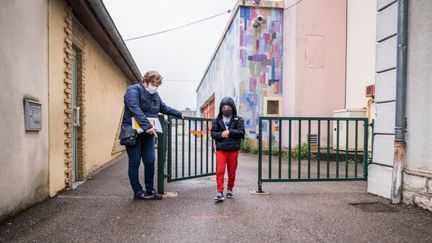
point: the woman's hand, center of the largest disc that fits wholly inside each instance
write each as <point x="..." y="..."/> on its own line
<point x="151" y="131"/>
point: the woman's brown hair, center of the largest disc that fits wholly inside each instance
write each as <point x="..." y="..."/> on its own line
<point x="151" y="76"/>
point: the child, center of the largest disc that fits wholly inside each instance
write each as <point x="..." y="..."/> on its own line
<point x="228" y="131"/>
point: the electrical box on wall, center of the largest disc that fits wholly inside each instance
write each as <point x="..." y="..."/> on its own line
<point x="370" y="91"/>
<point x="347" y="113"/>
<point x="32" y="115"/>
<point x="272" y="106"/>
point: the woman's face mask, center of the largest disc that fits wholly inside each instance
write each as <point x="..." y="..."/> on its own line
<point x="152" y="89"/>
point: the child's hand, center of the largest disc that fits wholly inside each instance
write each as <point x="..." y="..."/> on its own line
<point x="225" y="134"/>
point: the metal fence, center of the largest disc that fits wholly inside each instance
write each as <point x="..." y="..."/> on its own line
<point x="190" y="148"/>
<point x="300" y="149"/>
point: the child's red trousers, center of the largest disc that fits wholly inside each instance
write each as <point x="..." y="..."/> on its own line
<point x="227" y="159"/>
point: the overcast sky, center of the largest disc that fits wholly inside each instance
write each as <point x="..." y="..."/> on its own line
<point x="181" y="56"/>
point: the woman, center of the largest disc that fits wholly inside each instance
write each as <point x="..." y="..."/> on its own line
<point x="141" y="102"/>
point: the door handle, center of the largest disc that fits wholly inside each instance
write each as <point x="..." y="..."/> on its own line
<point x="76" y="112"/>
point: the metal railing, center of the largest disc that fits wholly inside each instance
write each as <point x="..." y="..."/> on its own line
<point x="190" y="148"/>
<point x="186" y="148"/>
<point x="294" y="157"/>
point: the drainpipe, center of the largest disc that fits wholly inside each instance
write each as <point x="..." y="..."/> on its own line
<point x="401" y="84"/>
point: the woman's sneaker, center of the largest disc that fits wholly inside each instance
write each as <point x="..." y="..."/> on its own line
<point x="219" y="197"/>
<point x="143" y="196"/>
<point x="155" y="195"/>
<point x="230" y="194"/>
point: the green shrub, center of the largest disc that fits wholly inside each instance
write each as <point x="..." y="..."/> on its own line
<point x="247" y="145"/>
<point x="275" y="152"/>
<point x="254" y="150"/>
<point x="303" y="152"/>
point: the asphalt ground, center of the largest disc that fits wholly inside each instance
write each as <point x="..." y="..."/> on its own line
<point x="103" y="210"/>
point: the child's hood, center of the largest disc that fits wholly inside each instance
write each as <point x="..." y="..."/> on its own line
<point x="228" y="101"/>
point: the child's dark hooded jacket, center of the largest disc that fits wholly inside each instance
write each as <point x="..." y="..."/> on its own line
<point x="236" y="128"/>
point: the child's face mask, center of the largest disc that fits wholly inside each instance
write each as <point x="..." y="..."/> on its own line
<point x="226" y="112"/>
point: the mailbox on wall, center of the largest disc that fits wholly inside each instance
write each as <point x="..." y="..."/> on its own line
<point x="32" y="115"/>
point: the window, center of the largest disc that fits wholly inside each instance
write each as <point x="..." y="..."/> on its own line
<point x="272" y="106"/>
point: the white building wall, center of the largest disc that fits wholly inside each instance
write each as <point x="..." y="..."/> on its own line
<point x="419" y="87"/>
<point x="361" y="42"/>
<point x="380" y="173"/>
<point x="417" y="180"/>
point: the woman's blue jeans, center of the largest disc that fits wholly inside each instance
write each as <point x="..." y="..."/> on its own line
<point x="143" y="149"/>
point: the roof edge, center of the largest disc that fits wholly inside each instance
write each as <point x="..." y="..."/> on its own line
<point x="93" y="15"/>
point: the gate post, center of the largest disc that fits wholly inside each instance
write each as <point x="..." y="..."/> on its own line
<point x="161" y="156"/>
<point x="366" y="150"/>
<point x="260" y="150"/>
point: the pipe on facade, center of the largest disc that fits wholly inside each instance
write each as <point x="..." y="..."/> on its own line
<point x="400" y="119"/>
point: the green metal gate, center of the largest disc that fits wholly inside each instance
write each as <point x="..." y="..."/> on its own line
<point x="301" y="149"/>
<point x="187" y="148"/>
<point x="190" y="148"/>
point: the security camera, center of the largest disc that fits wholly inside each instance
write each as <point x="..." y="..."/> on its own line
<point x="258" y="21"/>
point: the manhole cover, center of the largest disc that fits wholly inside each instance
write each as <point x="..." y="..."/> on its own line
<point x="374" y="207"/>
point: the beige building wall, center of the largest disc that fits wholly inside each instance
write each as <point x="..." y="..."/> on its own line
<point x="57" y="24"/>
<point x="103" y="86"/>
<point x="361" y="44"/>
<point x="24" y="73"/>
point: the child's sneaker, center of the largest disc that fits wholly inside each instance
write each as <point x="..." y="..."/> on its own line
<point x="229" y="194"/>
<point x="219" y="197"/>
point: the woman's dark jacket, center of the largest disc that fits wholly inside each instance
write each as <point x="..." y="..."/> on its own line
<point x="139" y="103"/>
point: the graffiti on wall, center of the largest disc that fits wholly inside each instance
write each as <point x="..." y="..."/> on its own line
<point x="261" y="61"/>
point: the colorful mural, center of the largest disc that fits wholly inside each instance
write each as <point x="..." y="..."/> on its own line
<point x="261" y="61"/>
<point x="248" y="64"/>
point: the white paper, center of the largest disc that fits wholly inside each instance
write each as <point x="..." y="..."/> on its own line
<point x="156" y="124"/>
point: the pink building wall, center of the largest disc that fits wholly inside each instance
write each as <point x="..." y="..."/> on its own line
<point x="315" y="57"/>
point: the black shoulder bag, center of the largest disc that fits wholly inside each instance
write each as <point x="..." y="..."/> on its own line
<point x="128" y="135"/>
